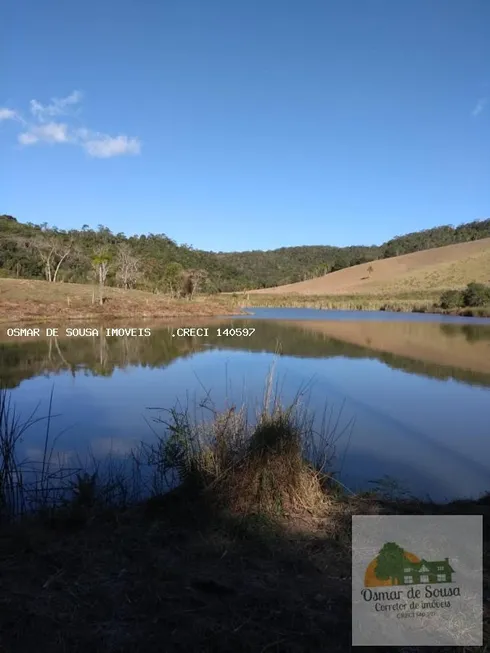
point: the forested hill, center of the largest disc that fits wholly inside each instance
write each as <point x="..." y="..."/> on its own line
<point x="155" y="262"/>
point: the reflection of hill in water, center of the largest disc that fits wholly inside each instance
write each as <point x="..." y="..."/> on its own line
<point x="97" y="356"/>
<point x="100" y="355"/>
<point x="315" y="339"/>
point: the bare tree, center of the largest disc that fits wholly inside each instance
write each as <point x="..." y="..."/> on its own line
<point x="127" y="266"/>
<point x="45" y="248"/>
<point x="52" y="250"/>
<point x="63" y="252"/>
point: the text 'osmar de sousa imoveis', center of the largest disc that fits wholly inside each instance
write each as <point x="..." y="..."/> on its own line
<point x="142" y="332"/>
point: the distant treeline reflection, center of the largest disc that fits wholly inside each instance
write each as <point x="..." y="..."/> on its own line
<point x="101" y="356"/>
<point x="473" y="333"/>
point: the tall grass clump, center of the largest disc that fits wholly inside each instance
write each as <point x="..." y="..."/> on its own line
<point x="277" y="462"/>
<point x="28" y="485"/>
<point x="12" y="481"/>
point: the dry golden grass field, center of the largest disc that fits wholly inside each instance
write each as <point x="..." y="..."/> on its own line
<point x="24" y="299"/>
<point x="431" y="270"/>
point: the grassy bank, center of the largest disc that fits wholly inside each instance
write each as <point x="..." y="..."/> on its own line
<point x="467" y="311"/>
<point x="251" y="552"/>
<point x="343" y="302"/>
<point x="401" y="303"/>
<point x="22" y="299"/>
<point x="26" y="300"/>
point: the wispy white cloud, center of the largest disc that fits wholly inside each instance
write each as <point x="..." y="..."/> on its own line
<point x="8" y="114"/>
<point x="104" y="146"/>
<point x="51" y="132"/>
<point x="27" y="138"/>
<point x="57" y="107"/>
<point x="479" y="107"/>
<point x="43" y="129"/>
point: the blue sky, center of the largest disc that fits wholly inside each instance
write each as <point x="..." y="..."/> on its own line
<point x="250" y="124"/>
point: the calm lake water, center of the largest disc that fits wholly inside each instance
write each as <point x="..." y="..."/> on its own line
<point x="416" y="386"/>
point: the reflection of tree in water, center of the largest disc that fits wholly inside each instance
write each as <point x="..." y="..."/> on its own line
<point x="475" y="334"/>
<point x="101" y="355"/>
<point x="472" y="332"/>
<point x="101" y="365"/>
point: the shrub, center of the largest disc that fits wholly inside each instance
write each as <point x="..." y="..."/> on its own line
<point x="452" y="299"/>
<point x="476" y="294"/>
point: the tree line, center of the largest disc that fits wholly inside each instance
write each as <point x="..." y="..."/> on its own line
<point x="101" y="356"/>
<point x="155" y="262"/>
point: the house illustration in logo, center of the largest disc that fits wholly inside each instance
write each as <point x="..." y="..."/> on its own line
<point x="439" y="571"/>
<point x="394" y="566"/>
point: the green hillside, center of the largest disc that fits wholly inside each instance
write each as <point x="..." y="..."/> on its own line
<point x="157" y="263"/>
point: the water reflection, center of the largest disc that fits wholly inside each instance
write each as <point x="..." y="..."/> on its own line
<point x="419" y="390"/>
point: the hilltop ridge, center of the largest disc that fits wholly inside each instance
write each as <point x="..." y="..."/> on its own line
<point x="160" y="260"/>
